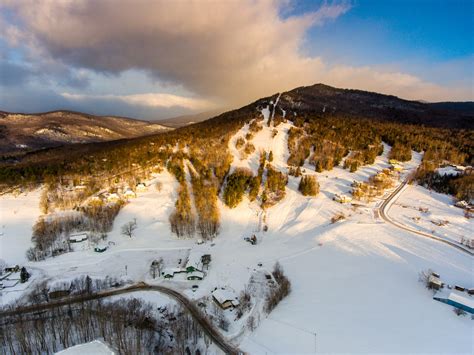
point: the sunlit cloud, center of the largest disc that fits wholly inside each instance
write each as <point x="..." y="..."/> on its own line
<point x="222" y="53"/>
<point x="156" y="100"/>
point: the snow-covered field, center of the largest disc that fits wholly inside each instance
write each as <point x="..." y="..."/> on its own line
<point x="432" y="213"/>
<point x="355" y="283"/>
<point x="18" y="214"/>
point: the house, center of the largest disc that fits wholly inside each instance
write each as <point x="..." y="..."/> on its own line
<point x="113" y="197"/>
<point x="78" y="237"/>
<point x="59" y="289"/>
<point x="396" y="167"/>
<point x="169" y="273"/>
<point x="435" y="282"/>
<point x="195" y="275"/>
<point x="100" y="248"/>
<point x="15" y="268"/>
<point x="225" y="298"/>
<point x="462" y="204"/>
<point x="342" y="198"/>
<point x="457" y="300"/>
<point x="194" y="262"/>
<point x="129" y="194"/>
<point x="7" y="283"/>
<point x="141" y="187"/>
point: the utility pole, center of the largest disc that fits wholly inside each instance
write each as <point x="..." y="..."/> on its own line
<point x="315" y="342"/>
<point x="125" y="270"/>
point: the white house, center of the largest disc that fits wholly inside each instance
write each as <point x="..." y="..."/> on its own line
<point x="78" y="237"/>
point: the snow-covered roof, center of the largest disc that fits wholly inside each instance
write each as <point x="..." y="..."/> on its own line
<point x="448" y="170"/>
<point x="194" y="259"/>
<point x="95" y="347"/>
<point x="9" y="283"/>
<point x="78" y="237"/>
<point x="434" y="280"/>
<point x="223" y="295"/>
<point x="462" y="299"/>
<point x="172" y="270"/>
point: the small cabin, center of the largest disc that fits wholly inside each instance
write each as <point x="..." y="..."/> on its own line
<point x="225" y="298"/>
<point x="113" y="197"/>
<point x="396" y="167"/>
<point x="141" y="187"/>
<point x="8" y="283"/>
<point x="129" y="194"/>
<point x="342" y="198"/>
<point x="435" y="282"/>
<point x="78" y="237"/>
<point x="462" y="204"/>
<point x="14" y="268"/>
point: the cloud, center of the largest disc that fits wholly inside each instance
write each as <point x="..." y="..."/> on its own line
<point x="229" y="52"/>
<point x="153" y="100"/>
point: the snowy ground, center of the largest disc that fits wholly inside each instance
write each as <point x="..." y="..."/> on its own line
<point x="432" y="213"/>
<point x="18" y="214"/>
<point x="354" y="282"/>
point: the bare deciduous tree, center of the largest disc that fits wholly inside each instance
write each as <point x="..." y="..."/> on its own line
<point x="128" y="228"/>
<point x="156" y="267"/>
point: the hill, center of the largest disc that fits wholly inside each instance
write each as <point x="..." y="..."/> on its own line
<point x="29" y="132"/>
<point x="320" y="99"/>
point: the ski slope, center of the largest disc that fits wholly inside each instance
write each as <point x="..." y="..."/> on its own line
<point x="355" y="282"/>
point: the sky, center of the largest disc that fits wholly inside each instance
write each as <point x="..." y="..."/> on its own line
<point x="156" y="59"/>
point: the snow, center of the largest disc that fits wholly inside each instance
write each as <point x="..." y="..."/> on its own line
<point x="18" y="214"/>
<point x="355" y="280"/>
<point x="420" y="208"/>
<point x="462" y="299"/>
<point x="96" y="347"/>
<point x="448" y="170"/>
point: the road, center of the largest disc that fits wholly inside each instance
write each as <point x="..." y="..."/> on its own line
<point x="206" y="326"/>
<point x="385" y="207"/>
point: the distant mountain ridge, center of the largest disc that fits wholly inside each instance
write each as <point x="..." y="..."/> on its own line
<point x="320" y="99"/>
<point x="20" y="132"/>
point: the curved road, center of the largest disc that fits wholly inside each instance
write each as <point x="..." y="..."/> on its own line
<point x="384" y="208"/>
<point x="206" y="326"/>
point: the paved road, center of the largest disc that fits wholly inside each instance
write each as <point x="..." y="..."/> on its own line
<point x="206" y="326"/>
<point x="384" y="208"/>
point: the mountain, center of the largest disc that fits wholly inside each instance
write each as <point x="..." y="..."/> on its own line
<point x="324" y="100"/>
<point x="184" y="120"/>
<point x="21" y="132"/>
